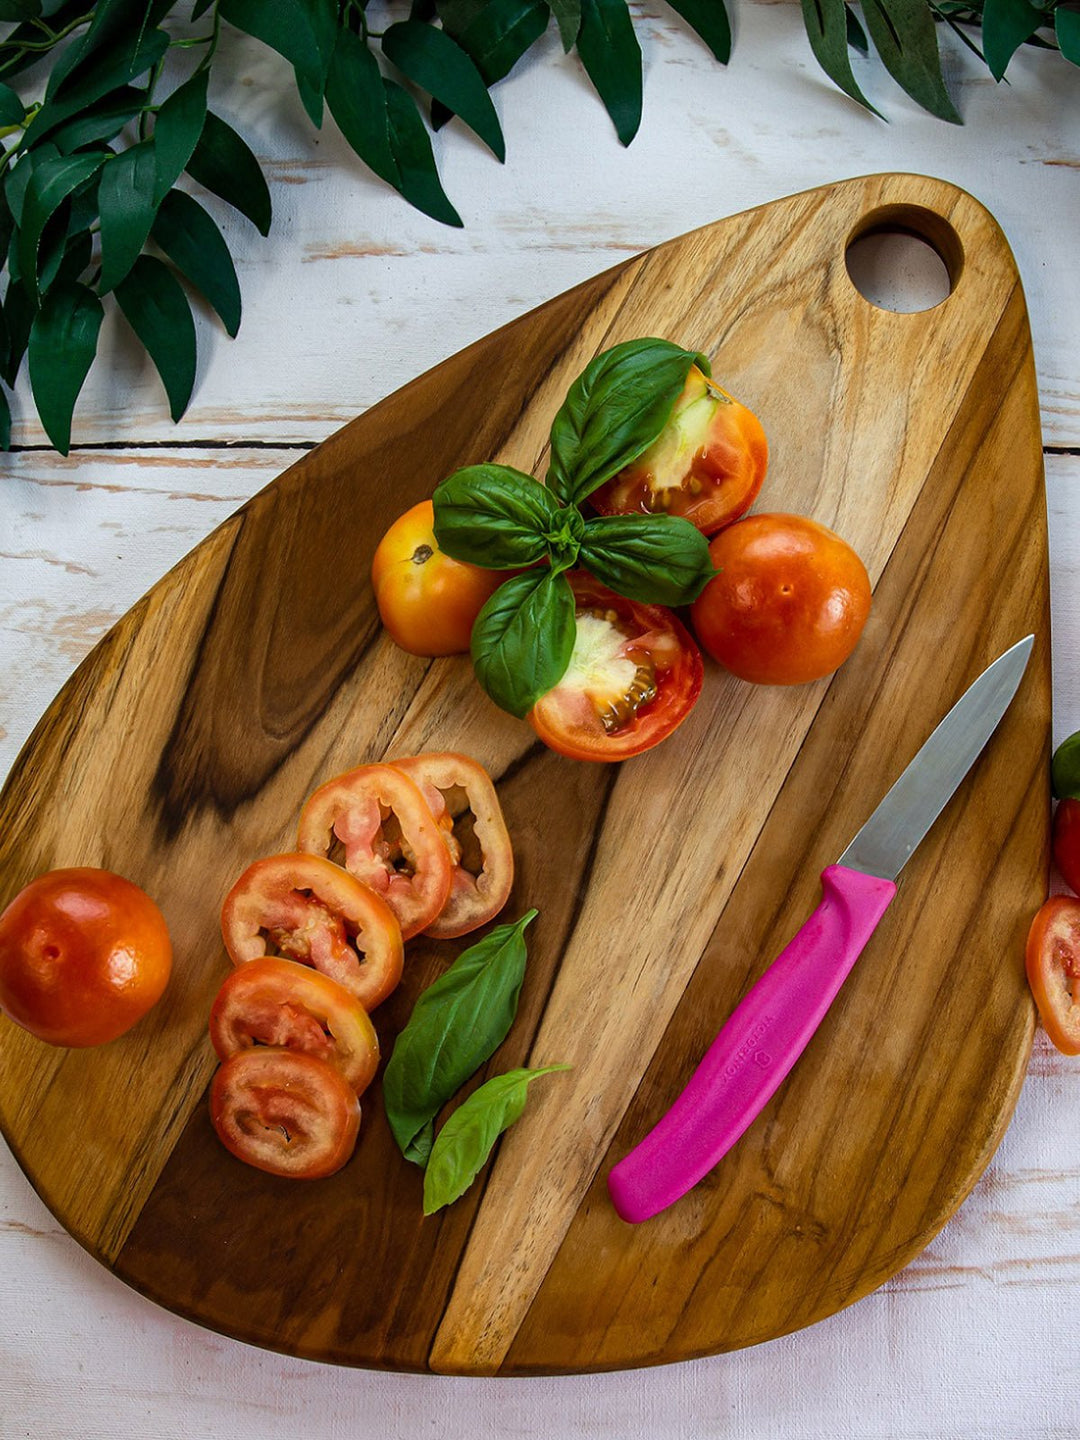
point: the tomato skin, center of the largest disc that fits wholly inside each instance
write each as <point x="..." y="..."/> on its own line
<point x="569" y="717"/>
<point x="284" y="1112"/>
<point x="456" y="786"/>
<point x="349" y="810"/>
<point x="1052" y="960"/>
<point x="315" y="912"/>
<point x="1066" y="842"/>
<point x="282" y="1003"/>
<point x="789" y="604"/>
<point x="427" y="601"/>
<point x="84" y="954"/>
<point x="707" y="466"/>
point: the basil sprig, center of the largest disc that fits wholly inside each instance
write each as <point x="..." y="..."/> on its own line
<point x="459" y="1022"/>
<point x="466" y="1140"/>
<point x="657" y="559"/>
<point x="498" y="517"/>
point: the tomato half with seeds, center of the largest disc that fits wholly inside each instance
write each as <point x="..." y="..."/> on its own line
<point x="427" y="600"/>
<point x="285" y="1112"/>
<point x="707" y="465"/>
<point x="375" y="820"/>
<point x="306" y="908"/>
<point x="634" y="675"/>
<point x="288" y="1005"/>
<point x="1052" y="959"/>
<point x="460" y="795"/>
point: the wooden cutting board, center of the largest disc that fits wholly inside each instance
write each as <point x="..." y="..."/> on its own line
<point x="185" y="744"/>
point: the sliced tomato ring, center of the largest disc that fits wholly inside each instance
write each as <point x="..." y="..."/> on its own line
<point x="288" y="1005"/>
<point x="377" y="822"/>
<point x="460" y="795"/>
<point x="1052" y="959"/>
<point x="285" y="1112"/>
<point x="306" y="908"/>
<point x="634" y="675"/>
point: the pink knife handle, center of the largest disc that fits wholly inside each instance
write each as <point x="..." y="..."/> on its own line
<point x="766" y="1034"/>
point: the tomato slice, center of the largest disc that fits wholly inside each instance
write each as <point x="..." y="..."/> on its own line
<point x="634" y="675"/>
<point x="285" y="1112"/>
<point x="1053" y="970"/>
<point x="460" y="795"/>
<point x="281" y="1003"/>
<point x="376" y="819"/>
<point x="306" y="908"/>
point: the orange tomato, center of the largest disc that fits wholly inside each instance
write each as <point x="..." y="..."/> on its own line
<point x="426" y="600"/>
<point x="789" y="603"/>
<point x="84" y="954"/>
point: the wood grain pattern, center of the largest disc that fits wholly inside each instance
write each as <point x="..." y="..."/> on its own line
<point x="185" y="744"/>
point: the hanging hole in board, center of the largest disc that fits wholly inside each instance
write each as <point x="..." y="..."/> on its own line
<point x="904" y="258"/>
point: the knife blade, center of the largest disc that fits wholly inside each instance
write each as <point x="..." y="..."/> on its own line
<point x="771" y="1026"/>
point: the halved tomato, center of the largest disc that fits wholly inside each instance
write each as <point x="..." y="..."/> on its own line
<point x="377" y="822"/>
<point x="279" y="1002"/>
<point x="460" y="795"/>
<point x="306" y="908"/>
<point x="707" y="465"/>
<point x="285" y="1112"/>
<point x="1052" y="959"/>
<point x="634" y="675"/>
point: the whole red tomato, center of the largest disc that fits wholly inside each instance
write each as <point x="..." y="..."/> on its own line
<point x="707" y="464"/>
<point x="84" y="954"/>
<point x="427" y="601"/>
<point x="789" y="603"/>
<point x="1066" y="841"/>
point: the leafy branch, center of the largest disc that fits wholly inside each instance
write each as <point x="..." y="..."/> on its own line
<point x="91" y="205"/>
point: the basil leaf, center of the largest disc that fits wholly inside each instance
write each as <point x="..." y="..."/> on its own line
<point x="1006" y="24"/>
<point x="613" y="411"/>
<point x="1065" y="769"/>
<point x="223" y="163"/>
<point x="456" y="1025"/>
<point x="357" y="101"/>
<point x="195" y="245"/>
<point x="128" y="207"/>
<point x="176" y="132"/>
<point x="414" y="158"/>
<point x="496" y="33"/>
<point x="1067" y="32"/>
<point x="827" y="27"/>
<point x="466" y="1140"/>
<point x="710" y="19"/>
<point x="157" y="310"/>
<point x="63" y="343"/>
<point x="523" y="639"/>
<point x="905" y="36"/>
<point x="494" y="516"/>
<point x="435" y="61"/>
<point x="610" y="52"/>
<point x="50" y="185"/>
<point x="568" y="17"/>
<point x="657" y="559"/>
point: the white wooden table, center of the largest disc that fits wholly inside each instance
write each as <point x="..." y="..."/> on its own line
<point x="352" y="295"/>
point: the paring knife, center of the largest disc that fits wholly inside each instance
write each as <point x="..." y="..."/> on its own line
<point x="772" y="1024"/>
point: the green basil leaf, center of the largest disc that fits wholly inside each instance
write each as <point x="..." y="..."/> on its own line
<point x="1065" y="769"/>
<point x="19" y="317"/>
<point x="710" y="19"/>
<point x="568" y="18"/>
<point x="12" y="110"/>
<point x="523" y="639"/>
<point x="468" y="1137"/>
<point x="415" y="161"/>
<point x="177" y="129"/>
<point x="127" y="203"/>
<point x="50" y="185"/>
<point x="433" y="60"/>
<point x="905" y="36"/>
<point x="195" y="245"/>
<point x="157" y="309"/>
<point x="657" y="559"/>
<point x="457" y="1024"/>
<point x="496" y="33"/>
<point x="494" y="516"/>
<point x="63" y="342"/>
<point x="1067" y="31"/>
<point x="101" y="122"/>
<point x="5" y="421"/>
<point x="1006" y="24"/>
<point x="610" y="52"/>
<point x="358" y="102"/>
<point x="827" y="24"/>
<point x="223" y="163"/>
<point x="613" y="411"/>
